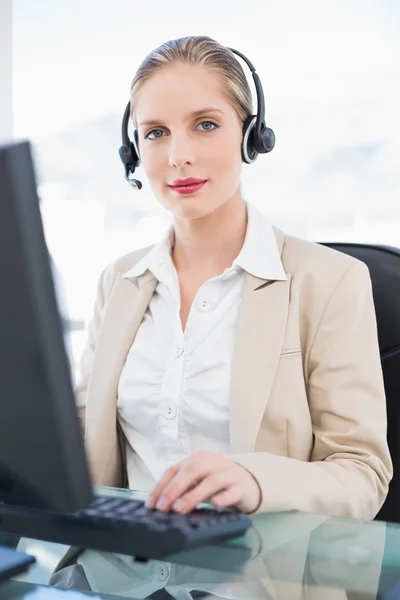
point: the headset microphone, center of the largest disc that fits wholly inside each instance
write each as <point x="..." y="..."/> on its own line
<point x="257" y="138"/>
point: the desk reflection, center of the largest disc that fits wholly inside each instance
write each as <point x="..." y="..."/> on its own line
<point x="283" y="557"/>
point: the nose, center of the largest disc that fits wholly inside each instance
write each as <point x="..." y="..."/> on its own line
<point x="181" y="151"/>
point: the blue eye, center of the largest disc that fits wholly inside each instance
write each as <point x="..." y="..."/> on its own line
<point x="208" y="124"/>
<point x="150" y="135"/>
<point x="156" y="134"/>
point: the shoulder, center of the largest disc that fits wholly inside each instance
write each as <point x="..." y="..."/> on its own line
<point x="326" y="287"/>
<point x="312" y="260"/>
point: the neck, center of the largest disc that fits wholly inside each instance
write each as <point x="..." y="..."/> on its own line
<point x="210" y="244"/>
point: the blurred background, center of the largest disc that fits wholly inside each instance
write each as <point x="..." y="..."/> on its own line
<point x="331" y="76"/>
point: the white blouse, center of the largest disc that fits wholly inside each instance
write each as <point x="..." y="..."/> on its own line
<point x="174" y="388"/>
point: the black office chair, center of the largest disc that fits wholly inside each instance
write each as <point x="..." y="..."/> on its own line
<point x="384" y="266"/>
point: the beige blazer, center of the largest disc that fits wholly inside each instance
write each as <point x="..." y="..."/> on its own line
<point x="307" y="411"/>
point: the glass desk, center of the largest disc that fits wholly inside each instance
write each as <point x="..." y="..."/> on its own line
<point x="284" y="556"/>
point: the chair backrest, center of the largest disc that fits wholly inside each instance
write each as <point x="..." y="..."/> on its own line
<point x="384" y="267"/>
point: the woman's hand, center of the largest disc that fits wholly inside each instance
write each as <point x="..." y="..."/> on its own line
<point x="206" y="477"/>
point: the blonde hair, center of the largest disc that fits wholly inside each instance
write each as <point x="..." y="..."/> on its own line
<point x="199" y="51"/>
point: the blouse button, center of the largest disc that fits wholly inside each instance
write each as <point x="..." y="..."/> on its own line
<point x="178" y="351"/>
<point x="162" y="572"/>
<point x="168" y="410"/>
<point x="202" y="304"/>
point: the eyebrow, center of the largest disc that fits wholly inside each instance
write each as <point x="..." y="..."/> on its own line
<point x="195" y="113"/>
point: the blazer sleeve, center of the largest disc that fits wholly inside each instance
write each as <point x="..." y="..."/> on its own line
<point x="350" y="467"/>
<point x="86" y="361"/>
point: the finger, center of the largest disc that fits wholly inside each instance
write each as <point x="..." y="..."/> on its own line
<point x="157" y="491"/>
<point x="189" y="475"/>
<point x="229" y="497"/>
<point x="206" y="489"/>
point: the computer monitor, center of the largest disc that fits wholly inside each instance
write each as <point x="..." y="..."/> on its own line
<point x="42" y="456"/>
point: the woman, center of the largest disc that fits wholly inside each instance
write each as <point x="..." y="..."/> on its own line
<point x="229" y="363"/>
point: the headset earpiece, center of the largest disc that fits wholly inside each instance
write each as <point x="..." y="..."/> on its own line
<point x="129" y="151"/>
<point x="265" y="141"/>
<point x="253" y="144"/>
<point x="129" y="157"/>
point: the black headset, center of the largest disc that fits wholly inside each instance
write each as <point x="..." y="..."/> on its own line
<point x="257" y="137"/>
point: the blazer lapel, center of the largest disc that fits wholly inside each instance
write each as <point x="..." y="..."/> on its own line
<point x="123" y="314"/>
<point x="259" y="339"/>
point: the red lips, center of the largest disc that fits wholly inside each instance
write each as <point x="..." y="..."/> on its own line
<point x="188" y="186"/>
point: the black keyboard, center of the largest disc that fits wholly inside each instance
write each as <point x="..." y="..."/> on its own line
<point x="125" y="526"/>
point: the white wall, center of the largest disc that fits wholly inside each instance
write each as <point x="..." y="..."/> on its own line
<point x="6" y="114"/>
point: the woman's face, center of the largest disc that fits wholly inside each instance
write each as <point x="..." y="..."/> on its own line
<point x="188" y="129"/>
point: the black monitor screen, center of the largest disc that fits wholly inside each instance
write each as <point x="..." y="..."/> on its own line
<point x="42" y="458"/>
